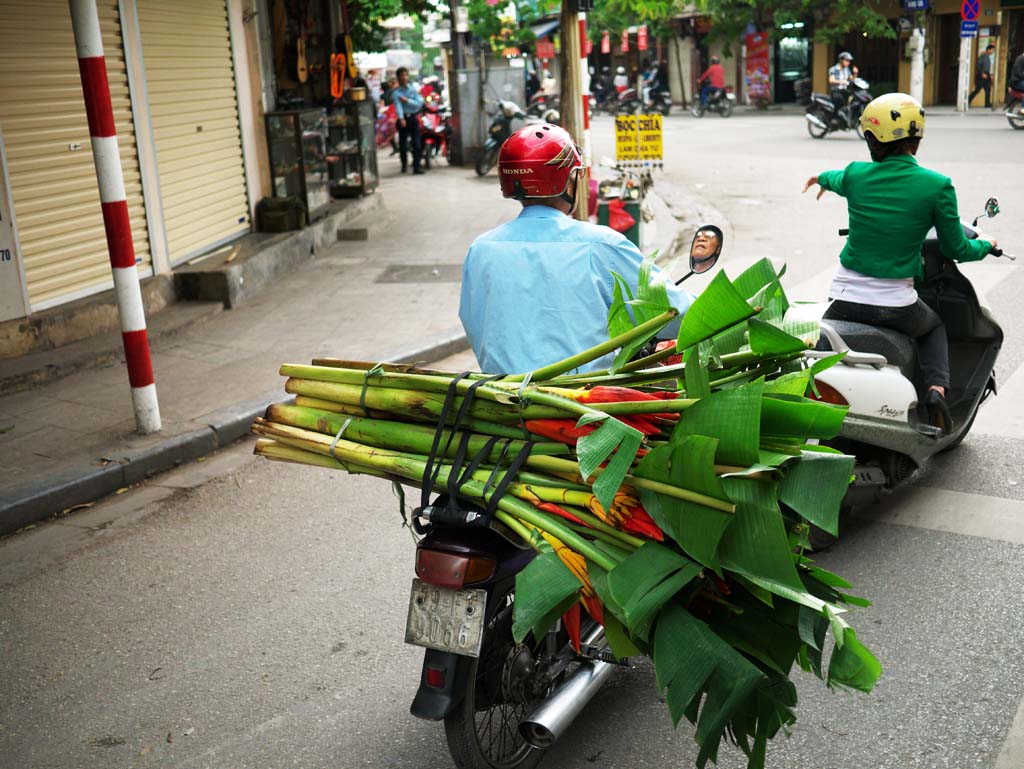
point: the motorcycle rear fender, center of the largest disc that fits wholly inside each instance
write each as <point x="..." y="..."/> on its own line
<point x="433" y="704"/>
<point x="871" y="392"/>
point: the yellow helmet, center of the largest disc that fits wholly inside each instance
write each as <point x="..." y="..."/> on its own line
<point x="893" y="116"/>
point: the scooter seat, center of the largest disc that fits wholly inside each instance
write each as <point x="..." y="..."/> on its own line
<point x="898" y="348"/>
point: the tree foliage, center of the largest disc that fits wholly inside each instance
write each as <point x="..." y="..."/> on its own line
<point x="830" y="19"/>
<point x="365" y="17"/>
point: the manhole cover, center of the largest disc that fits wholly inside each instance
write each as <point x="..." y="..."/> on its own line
<point x="421" y="273"/>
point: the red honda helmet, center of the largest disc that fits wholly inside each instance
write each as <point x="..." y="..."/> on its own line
<point x="537" y="161"/>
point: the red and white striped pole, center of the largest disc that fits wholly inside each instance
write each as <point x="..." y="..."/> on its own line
<point x="93" y="68"/>
<point x="585" y="88"/>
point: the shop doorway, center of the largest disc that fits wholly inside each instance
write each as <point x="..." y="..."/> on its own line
<point x="877" y="60"/>
<point x="948" y="59"/>
<point x="1014" y="43"/>
<point x="792" y="65"/>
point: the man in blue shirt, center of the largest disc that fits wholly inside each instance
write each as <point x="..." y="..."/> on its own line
<point x="408" y="103"/>
<point x="537" y="289"/>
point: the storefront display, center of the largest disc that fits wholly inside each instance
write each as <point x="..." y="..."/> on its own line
<point x="352" y="148"/>
<point x="297" y="141"/>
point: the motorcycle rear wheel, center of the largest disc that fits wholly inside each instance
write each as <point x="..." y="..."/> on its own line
<point x="815" y="131"/>
<point x="485" y="162"/>
<point x="483" y="730"/>
<point x="697" y="110"/>
<point x="1015" y="115"/>
<point x="725" y="107"/>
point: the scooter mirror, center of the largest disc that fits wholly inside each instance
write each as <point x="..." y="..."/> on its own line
<point x="705" y="248"/>
<point x="991" y="207"/>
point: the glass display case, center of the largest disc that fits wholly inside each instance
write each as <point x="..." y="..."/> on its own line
<point x="298" y="157"/>
<point x="352" y="148"/>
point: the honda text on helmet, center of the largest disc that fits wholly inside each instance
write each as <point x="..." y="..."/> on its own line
<point x="892" y="117"/>
<point x="539" y="161"/>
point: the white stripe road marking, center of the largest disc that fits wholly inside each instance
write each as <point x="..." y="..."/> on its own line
<point x="129" y="298"/>
<point x="86" y="22"/>
<point x="957" y="512"/>
<point x="1012" y="754"/>
<point x="108" y="169"/>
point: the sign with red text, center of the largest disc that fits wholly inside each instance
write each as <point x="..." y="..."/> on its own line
<point x="545" y="49"/>
<point x="758" y="73"/>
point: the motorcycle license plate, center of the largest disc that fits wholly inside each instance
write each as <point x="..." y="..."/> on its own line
<point x="446" y="619"/>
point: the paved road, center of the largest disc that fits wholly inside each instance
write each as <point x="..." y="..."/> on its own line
<point x="236" y="613"/>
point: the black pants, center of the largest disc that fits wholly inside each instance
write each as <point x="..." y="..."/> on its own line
<point x="917" y="320"/>
<point x="410" y="134"/>
<point x="982" y="85"/>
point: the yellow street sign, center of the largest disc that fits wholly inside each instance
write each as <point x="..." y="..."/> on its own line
<point x="638" y="137"/>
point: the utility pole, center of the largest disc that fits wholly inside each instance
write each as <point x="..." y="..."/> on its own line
<point x="963" y="80"/>
<point x="917" y="59"/>
<point x="571" y="109"/>
<point x="458" y="63"/>
<point x="93" y="70"/>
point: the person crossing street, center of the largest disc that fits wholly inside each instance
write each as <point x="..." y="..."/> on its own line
<point x="983" y="76"/>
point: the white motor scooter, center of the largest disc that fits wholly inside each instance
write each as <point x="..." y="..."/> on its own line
<point x="879" y="378"/>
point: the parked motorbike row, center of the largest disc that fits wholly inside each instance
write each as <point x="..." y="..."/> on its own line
<point x="506" y="706"/>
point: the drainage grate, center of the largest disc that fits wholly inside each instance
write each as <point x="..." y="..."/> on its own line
<point x="421" y="273"/>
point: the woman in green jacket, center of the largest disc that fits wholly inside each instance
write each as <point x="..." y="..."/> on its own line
<point x="892" y="203"/>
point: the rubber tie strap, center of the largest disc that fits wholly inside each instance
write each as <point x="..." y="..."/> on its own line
<point x="497" y="464"/>
<point x="375" y="369"/>
<point x="523" y="402"/>
<point x="429" y="473"/>
<point x="512" y="472"/>
<point x="337" y="437"/>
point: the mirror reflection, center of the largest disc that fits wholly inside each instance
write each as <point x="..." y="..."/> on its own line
<point x="991" y="207"/>
<point x="705" y="248"/>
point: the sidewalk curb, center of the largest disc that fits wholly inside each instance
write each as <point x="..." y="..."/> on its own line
<point x="46" y="497"/>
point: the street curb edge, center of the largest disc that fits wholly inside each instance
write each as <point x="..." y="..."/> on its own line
<point x="47" y="497"/>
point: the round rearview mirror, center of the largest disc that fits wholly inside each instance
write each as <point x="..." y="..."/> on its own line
<point x="991" y="207"/>
<point x="705" y="248"/>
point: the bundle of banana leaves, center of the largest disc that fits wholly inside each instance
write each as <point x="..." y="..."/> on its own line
<point x="670" y="493"/>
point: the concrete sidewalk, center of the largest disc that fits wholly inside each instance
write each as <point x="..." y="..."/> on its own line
<point x="393" y="297"/>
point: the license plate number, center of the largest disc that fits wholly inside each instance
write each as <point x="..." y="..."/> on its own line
<point x="446" y="619"/>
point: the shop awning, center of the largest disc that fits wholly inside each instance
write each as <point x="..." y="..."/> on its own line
<point x="544" y="28"/>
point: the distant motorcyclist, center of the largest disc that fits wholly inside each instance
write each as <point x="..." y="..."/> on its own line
<point x="557" y="267"/>
<point x="1017" y="74"/>
<point x="621" y="80"/>
<point x="712" y="80"/>
<point x="893" y="203"/>
<point x="839" y="76"/>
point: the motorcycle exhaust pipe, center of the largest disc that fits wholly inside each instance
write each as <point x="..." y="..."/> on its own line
<point x="559" y="710"/>
<point x="815" y="120"/>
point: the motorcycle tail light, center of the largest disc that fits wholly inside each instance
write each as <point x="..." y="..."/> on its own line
<point x="829" y="394"/>
<point x="435" y="677"/>
<point x="449" y="570"/>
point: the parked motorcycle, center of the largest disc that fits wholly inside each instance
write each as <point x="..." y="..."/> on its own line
<point x="720" y="100"/>
<point x="879" y="379"/>
<point x="823" y="118"/>
<point x="502" y="703"/>
<point x="1014" y="108"/>
<point x="659" y="100"/>
<point x="435" y="130"/>
<point x="501" y="128"/>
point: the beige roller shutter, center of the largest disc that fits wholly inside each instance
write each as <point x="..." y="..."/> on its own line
<point x="186" y="48"/>
<point x="53" y="178"/>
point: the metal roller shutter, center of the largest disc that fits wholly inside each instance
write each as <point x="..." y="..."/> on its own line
<point x="53" y="178"/>
<point x="186" y="47"/>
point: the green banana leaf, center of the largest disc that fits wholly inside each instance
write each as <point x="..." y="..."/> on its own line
<point x="767" y="339"/>
<point x="645" y="581"/>
<point x="545" y="590"/>
<point x="718" y="307"/>
<point x="688" y="464"/>
<point x="815" y="485"/>
<point x="613" y="439"/>
<point x="787" y="416"/>
<point x="755" y="544"/>
<point x="733" y="417"/>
